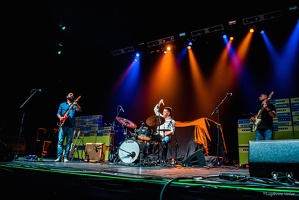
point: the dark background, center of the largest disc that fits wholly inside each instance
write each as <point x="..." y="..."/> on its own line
<point x="32" y="33"/>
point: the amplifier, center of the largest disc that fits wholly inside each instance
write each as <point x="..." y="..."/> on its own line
<point x="94" y="152"/>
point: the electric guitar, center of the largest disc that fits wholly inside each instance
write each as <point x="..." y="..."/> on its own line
<point x="66" y="114"/>
<point x="258" y="119"/>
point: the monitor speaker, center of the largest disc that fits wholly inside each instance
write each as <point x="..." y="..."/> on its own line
<point x="274" y="158"/>
<point x="195" y="159"/>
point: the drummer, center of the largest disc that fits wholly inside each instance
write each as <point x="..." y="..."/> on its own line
<point x="165" y="130"/>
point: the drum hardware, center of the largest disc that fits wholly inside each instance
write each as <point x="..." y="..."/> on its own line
<point x="164" y="130"/>
<point x="113" y="156"/>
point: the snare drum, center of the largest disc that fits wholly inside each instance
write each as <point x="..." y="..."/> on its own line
<point x="144" y="133"/>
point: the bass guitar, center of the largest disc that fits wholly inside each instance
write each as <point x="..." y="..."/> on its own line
<point x="66" y="114"/>
<point x="258" y="119"/>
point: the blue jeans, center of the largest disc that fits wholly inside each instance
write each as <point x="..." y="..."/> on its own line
<point x="265" y="134"/>
<point x="166" y="139"/>
<point x="67" y="133"/>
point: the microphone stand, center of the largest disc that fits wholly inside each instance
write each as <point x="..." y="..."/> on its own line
<point x="218" y="131"/>
<point x="159" y="128"/>
<point x="32" y="92"/>
<point x="117" y="113"/>
<point x="176" y="149"/>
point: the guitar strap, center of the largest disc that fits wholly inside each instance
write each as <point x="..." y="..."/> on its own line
<point x="68" y="109"/>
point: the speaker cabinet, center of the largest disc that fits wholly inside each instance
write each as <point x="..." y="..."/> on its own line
<point x="195" y="159"/>
<point x="274" y="158"/>
<point x="94" y="152"/>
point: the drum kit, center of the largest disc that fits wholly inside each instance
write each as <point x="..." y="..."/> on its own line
<point x="131" y="150"/>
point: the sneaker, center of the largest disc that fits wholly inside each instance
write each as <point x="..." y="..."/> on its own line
<point x="65" y="160"/>
<point x="57" y="160"/>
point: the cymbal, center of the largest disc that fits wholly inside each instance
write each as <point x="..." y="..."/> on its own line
<point x="155" y="120"/>
<point x="126" y="122"/>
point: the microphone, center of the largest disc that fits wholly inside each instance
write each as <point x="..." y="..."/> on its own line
<point x="95" y="148"/>
<point x="229" y="94"/>
<point x="38" y="90"/>
<point x="121" y="108"/>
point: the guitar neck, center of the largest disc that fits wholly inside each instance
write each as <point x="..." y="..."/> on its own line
<point x="258" y="115"/>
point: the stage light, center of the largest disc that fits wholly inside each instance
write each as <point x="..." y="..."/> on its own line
<point x="182" y="34"/>
<point x="293" y="7"/>
<point x="233" y="22"/>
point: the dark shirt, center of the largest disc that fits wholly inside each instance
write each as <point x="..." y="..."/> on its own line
<point x="266" y="119"/>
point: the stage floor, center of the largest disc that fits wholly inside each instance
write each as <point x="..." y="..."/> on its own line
<point x="110" y="180"/>
<point x="135" y="169"/>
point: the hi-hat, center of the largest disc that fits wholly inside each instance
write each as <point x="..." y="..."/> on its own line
<point x="126" y="122"/>
<point x="155" y="120"/>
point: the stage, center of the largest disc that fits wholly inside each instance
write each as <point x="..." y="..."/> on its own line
<point x="32" y="176"/>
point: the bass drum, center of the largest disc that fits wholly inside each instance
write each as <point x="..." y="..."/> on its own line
<point x="129" y="151"/>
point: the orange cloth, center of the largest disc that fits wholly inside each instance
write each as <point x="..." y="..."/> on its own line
<point x="201" y="132"/>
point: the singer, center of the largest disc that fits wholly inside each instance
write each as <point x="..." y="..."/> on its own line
<point x="165" y="130"/>
<point x="68" y="128"/>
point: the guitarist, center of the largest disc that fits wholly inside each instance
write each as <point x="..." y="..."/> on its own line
<point x="264" y="130"/>
<point x="66" y="114"/>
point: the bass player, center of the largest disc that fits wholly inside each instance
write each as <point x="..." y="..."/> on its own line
<point x="66" y="114"/>
<point x="263" y="120"/>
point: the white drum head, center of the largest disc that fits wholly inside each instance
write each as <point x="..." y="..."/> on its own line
<point x="128" y="151"/>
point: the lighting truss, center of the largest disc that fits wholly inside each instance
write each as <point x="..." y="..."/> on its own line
<point x="211" y="29"/>
<point x="262" y="17"/>
<point x="161" y="41"/>
<point x="122" y="51"/>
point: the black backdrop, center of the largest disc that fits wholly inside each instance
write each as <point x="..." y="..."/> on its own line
<point x="182" y="144"/>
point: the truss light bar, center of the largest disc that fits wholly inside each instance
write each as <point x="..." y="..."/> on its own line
<point x="122" y="51"/>
<point x="198" y="32"/>
<point x="161" y="41"/>
<point x="272" y="15"/>
<point x="128" y="49"/>
<point x="262" y="17"/>
<point x="251" y="20"/>
<point x="216" y="28"/>
<point x="203" y="31"/>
